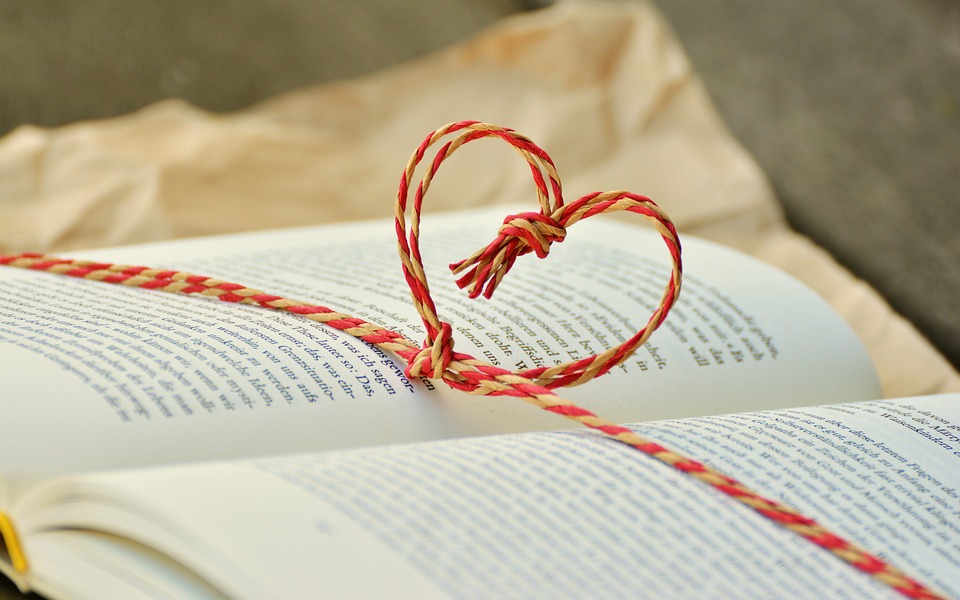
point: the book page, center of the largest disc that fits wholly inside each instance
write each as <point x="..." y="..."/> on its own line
<point x="90" y="565"/>
<point x="556" y="515"/>
<point x="881" y="473"/>
<point x="119" y="376"/>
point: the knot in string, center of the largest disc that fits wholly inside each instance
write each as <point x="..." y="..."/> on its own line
<point x="535" y="231"/>
<point x="434" y="358"/>
<point x="520" y="234"/>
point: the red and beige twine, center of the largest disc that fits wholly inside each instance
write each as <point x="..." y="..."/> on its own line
<point x="482" y="272"/>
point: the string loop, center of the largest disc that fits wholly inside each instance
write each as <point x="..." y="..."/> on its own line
<point x="520" y="234"/>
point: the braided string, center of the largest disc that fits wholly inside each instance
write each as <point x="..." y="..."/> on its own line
<point x="521" y="234"/>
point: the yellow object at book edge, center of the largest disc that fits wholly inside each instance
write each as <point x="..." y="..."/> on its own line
<point x="9" y="537"/>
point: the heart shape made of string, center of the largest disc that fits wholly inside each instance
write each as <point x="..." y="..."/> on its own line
<point x="520" y="234"/>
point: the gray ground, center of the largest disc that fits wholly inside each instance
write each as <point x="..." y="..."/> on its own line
<point x="852" y="107"/>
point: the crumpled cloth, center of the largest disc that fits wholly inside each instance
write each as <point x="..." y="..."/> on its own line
<point x="605" y="88"/>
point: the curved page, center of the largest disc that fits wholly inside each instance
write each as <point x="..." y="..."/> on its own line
<point x="97" y="376"/>
<point x="553" y="515"/>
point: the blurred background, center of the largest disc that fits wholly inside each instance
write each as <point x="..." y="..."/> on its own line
<point x="852" y="107"/>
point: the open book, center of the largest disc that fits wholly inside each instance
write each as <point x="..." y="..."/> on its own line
<point x="162" y="446"/>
